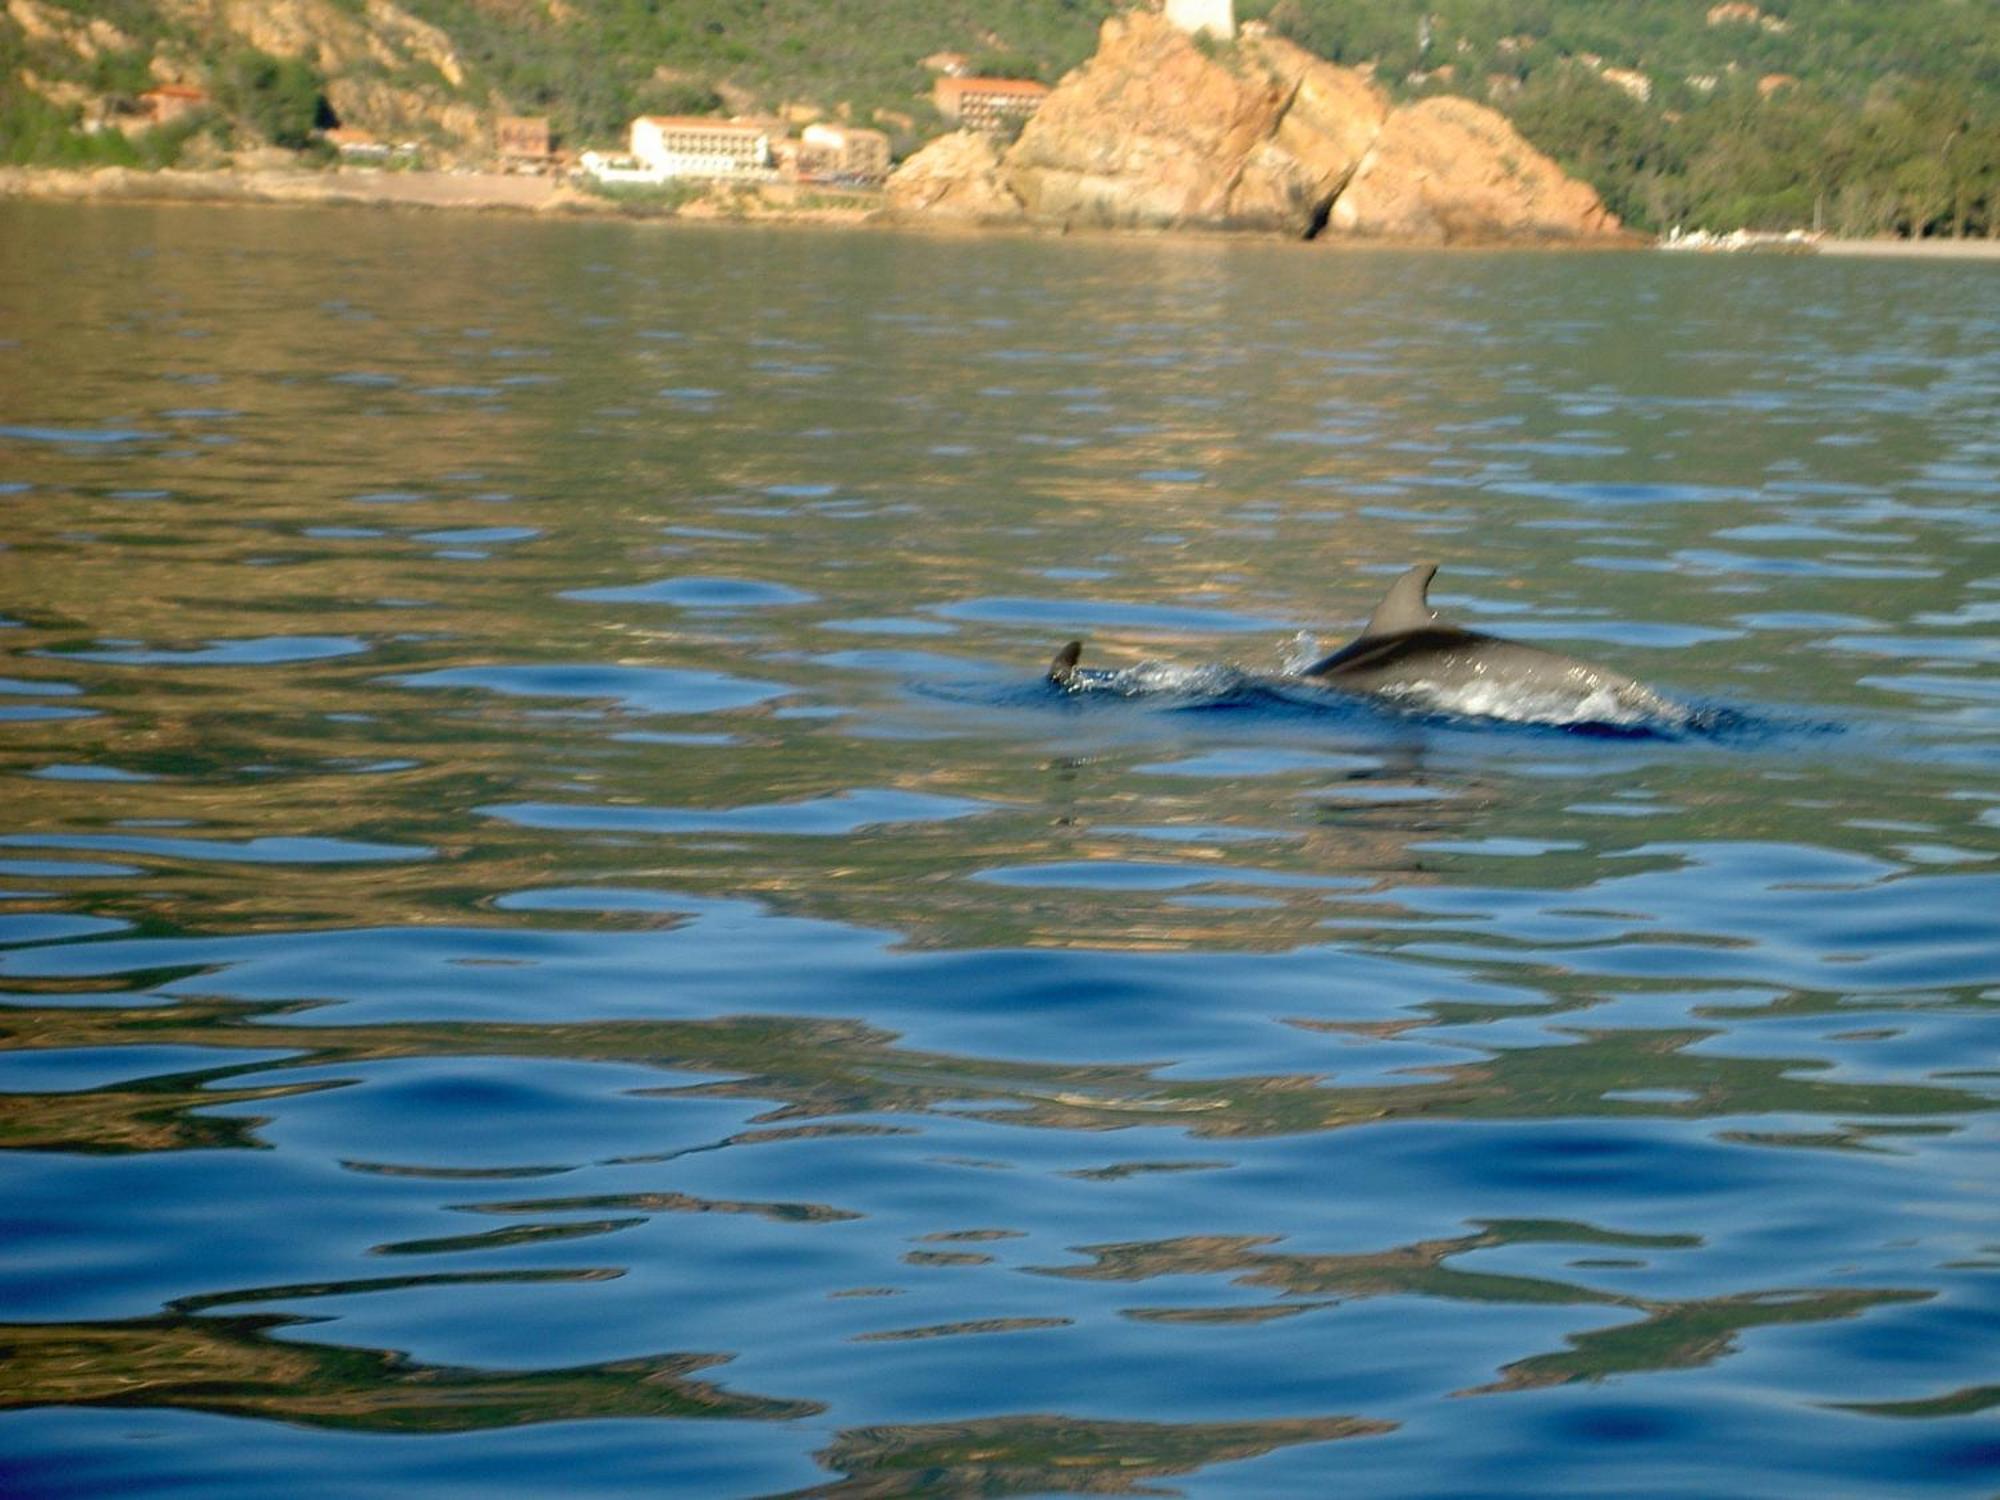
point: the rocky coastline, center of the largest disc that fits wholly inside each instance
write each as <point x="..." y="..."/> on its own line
<point x="1165" y="130"/>
<point x="1160" y="130"/>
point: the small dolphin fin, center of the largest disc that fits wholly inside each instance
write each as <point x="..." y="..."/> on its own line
<point x="1404" y="608"/>
<point x="1062" y="670"/>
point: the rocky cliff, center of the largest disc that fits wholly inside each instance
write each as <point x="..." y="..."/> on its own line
<point x="954" y="180"/>
<point x="1160" y="130"/>
<point x="1447" y="170"/>
<point x="385" y="72"/>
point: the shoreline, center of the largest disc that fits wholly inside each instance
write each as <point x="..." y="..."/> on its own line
<point x="536" y="196"/>
<point x="1882" y="249"/>
<point x="453" y="192"/>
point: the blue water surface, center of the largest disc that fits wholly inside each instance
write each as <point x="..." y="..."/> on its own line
<point x="555" y="938"/>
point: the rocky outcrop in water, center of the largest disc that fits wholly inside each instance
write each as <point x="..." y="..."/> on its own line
<point x="1160" y="130"/>
<point x="954" y="180"/>
<point x="1448" y="170"/>
<point x="1152" y="132"/>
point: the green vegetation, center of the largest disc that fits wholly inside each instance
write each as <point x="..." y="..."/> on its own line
<point x="278" y="98"/>
<point x="1860" y="118"/>
<point x="646" y="197"/>
<point x="592" y="74"/>
<point x="1871" y="119"/>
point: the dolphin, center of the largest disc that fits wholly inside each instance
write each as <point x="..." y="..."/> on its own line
<point x="1407" y="654"/>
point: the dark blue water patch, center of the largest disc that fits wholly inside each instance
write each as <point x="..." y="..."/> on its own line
<point x="260" y="651"/>
<point x="414" y="1110"/>
<point x="479" y="536"/>
<point x="65" y="869"/>
<point x="77" y="437"/>
<point x="650" y="690"/>
<point x="1059" y="615"/>
<point x="390" y="497"/>
<point x="63" y="772"/>
<point x="54" y="927"/>
<point x="699" y="593"/>
<point x="271" y="850"/>
<point x="31" y="687"/>
<point x="40" y="713"/>
<point x="816" y="817"/>
<point x="74" y="1453"/>
<point x="62" y="1070"/>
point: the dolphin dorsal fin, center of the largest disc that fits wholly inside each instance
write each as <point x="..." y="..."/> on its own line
<point x="1404" y="607"/>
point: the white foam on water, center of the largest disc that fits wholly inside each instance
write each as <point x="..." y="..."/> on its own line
<point x="1584" y="703"/>
<point x="1300" y="652"/>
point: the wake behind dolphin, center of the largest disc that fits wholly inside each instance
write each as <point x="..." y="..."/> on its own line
<point x="1405" y="655"/>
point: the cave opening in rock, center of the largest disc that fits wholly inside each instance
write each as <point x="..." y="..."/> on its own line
<point x="1322" y="211"/>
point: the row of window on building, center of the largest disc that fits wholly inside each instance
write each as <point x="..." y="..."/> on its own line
<point x="660" y="148"/>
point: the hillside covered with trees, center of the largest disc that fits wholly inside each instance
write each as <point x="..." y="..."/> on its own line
<point x="1858" y="116"/>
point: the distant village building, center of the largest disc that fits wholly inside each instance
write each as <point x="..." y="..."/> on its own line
<point x="846" y="151"/>
<point x="988" y="104"/>
<point x="951" y="64"/>
<point x="1216" y="17"/>
<point x="523" y="138"/>
<point x="694" y="146"/>
<point x="170" y="102"/>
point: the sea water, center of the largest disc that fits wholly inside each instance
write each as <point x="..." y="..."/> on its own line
<point x="557" y="940"/>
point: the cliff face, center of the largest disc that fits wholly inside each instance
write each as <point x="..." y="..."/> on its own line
<point x="1150" y="133"/>
<point x="386" y="72"/>
<point x="373" y="56"/>
<point x="1161" y="131"/>
<point x="1448" y="170"/>
<point x="954" y="180"/>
